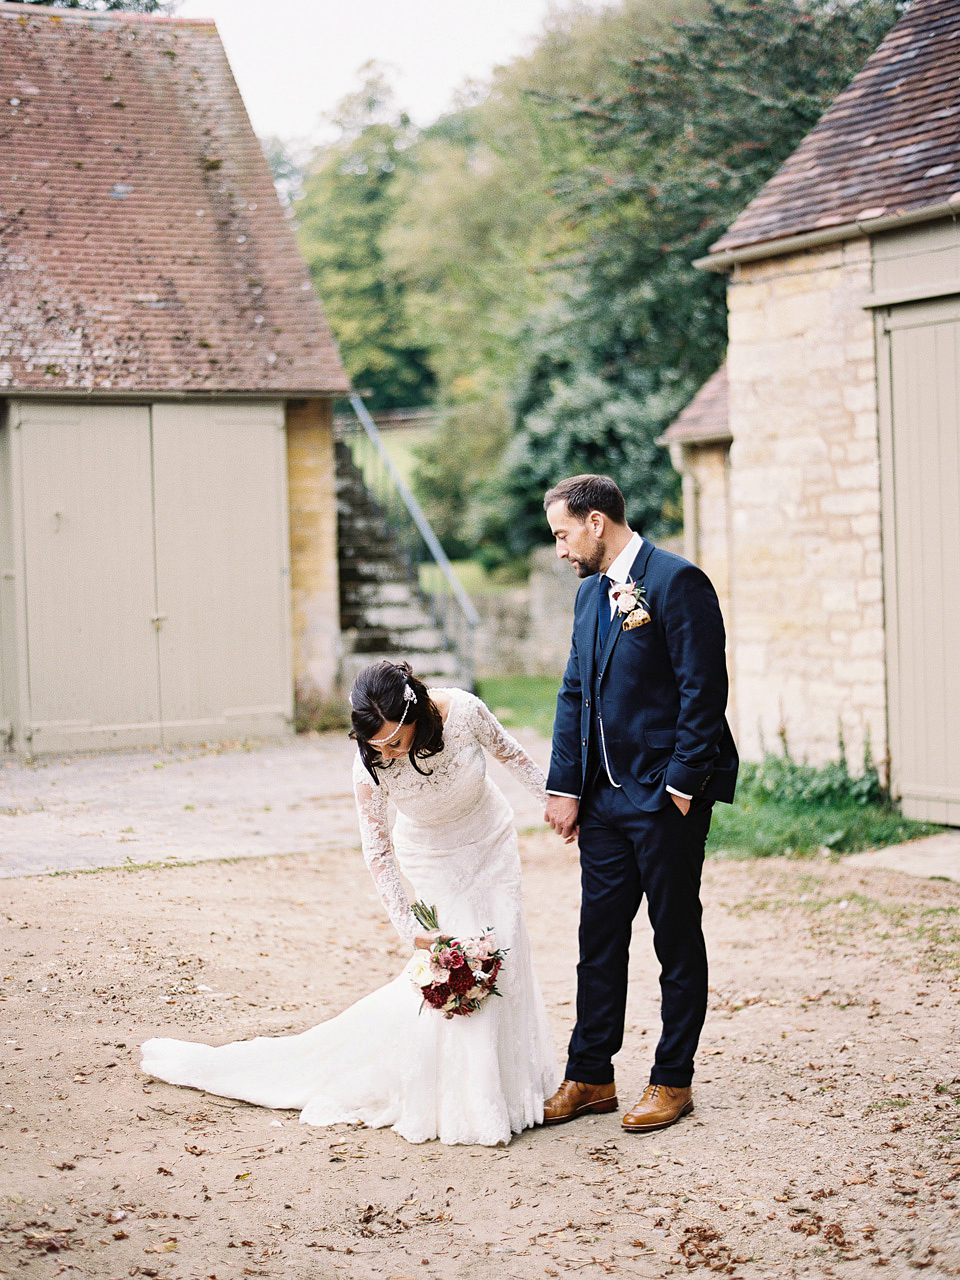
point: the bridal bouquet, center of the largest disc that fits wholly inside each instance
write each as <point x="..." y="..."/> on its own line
<point x="457" y="974"/>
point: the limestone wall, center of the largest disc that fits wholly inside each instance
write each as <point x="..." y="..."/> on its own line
<point x="808" y="638"/>
<point x="526" y="630"/>
<point x="313" y="547"/>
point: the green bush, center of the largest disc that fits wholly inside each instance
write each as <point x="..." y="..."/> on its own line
<point x="786" y="808"/>
<point x="801" y="784"/>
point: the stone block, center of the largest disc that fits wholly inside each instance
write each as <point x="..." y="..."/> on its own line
<point x="860" y="397"/>
<point x="861" y="451"/>
<point x="852" y="503"/>
<point x="865" y="425"/>
<point x="869" y="590"/>
<point x="864" y="475"/>
<point x="788" y="286"/>
<point x="793" y="317"/>
<point x="867" y="642"/>
<point x="751" y="659"/>
<point x="865" y="526"/>
<point x="859" y="671"/>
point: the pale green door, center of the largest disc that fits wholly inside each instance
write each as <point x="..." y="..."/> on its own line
<point x="222" y="570"/>
<point x="920" y="455"/>
<point x="151" y="573"/>
<point x="85" y="566"/>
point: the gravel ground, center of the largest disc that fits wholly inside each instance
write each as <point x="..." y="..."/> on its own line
<point x="825" y="1140"/>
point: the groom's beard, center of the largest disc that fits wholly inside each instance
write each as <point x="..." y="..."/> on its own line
<point x="587" y="565"/>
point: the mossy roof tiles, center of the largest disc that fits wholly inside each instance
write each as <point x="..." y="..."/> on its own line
<point x="142" y="245"/>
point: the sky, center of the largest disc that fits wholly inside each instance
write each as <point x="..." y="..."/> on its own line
<point x="295" y="59"/>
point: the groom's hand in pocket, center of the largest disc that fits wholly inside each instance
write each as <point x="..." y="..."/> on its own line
<point x="561" y="814"/>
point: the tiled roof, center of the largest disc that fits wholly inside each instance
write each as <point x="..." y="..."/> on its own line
<point x="706" y="419"/>
<point x="142" y="245"/>
<point x="889" y="144"/>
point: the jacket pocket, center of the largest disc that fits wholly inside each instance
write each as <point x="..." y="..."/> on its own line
<point x="660" y="739"/>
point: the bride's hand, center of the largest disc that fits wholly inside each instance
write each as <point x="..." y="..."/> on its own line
<point x="424" y="941"/>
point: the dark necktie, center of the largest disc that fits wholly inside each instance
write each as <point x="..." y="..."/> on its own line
<point x="603" y="609"/>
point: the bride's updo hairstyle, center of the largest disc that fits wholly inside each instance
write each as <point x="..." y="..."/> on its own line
<point x="381" y="692"/>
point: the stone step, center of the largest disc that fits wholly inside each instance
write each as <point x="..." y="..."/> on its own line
<point x="393" y="617"/>
<point x="359" y="575"/>
<point x="361" y="594"/>
<point x="383" y="613"/>
<point x="395" y="639"/>
<point x="437" y="669"/>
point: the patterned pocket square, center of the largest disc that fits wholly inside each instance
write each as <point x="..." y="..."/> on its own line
<point x="638" y="618"/>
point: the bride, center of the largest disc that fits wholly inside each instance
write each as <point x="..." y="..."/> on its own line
<point x="384" y="1061"/>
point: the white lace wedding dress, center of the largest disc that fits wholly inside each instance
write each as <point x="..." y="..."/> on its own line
<point x="384" y="1061"/>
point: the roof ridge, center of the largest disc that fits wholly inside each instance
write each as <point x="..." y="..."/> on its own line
<point x="12" y="10"/>
<point x="876" y="150"/>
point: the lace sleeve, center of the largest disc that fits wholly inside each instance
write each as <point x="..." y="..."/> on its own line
<point x="504" y="747"/>
<point x="378" y="852"/>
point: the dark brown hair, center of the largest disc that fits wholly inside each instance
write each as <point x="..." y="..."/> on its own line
<point x="584" y="494"/>
<point x="377" y="696"/>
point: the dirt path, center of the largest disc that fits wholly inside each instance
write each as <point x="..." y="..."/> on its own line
<point x="826" y="1139"/>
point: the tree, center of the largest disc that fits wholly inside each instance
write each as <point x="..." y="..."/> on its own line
<point x="102" y="6"/>
<point x="475" y="225"/>
<point x="349" y="197"/>
<point x="698" y="126"/>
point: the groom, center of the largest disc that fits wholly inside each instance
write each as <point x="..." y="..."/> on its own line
<point x="641" y="750"/>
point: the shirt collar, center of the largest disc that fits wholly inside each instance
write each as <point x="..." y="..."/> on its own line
<point x="619" y="570"/>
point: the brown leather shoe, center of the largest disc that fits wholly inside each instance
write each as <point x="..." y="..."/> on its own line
<point x="661" y="1106"/>
<point x="573" y="1099"/>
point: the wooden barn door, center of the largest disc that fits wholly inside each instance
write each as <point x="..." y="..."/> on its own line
<point x="920" y="459"/>
<point x="154" y="565"/>
<point x="223" y="580"/>
<point x="86" y="558"/>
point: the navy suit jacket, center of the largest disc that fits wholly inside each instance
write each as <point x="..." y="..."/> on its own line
<point x="660" y="688"/>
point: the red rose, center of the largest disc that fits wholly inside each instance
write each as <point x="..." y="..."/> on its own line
<point x="461" y="980"/>
<point x="437" y="996"/>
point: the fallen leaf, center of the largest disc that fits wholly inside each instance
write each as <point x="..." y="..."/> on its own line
<point x="169" y="1245"/>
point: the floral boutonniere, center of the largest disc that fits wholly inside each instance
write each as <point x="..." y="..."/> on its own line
<point x="630" y="600"/>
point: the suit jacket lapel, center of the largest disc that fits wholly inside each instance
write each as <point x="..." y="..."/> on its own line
<point x="588" y="649"/>
<point x="637" y="570"/>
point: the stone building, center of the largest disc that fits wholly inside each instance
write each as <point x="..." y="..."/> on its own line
<point x="842" y="511"/>
<point x="699" y="441"/>
<point x="168" y="531"/>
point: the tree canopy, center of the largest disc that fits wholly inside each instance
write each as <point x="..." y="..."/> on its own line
<point x="349" y="198"/>
<point x="525" y="263"/>
<point x="700" y="122"/>
<point x="104" y="6"/>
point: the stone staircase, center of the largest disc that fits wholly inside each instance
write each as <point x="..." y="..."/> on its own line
<point x="383" y="612"/>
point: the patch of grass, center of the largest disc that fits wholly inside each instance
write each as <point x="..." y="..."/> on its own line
<point x="522" y="701"/>
<point x="767" y="827"/>
<point x="475" y="579"/>
<point x="783" y="807"/>
<point x="401" y="444"/>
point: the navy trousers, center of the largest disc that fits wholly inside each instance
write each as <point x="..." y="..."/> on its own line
<point x="626" y="855"/>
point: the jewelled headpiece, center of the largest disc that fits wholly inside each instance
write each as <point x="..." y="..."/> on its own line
<point x="409" y="698"/>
